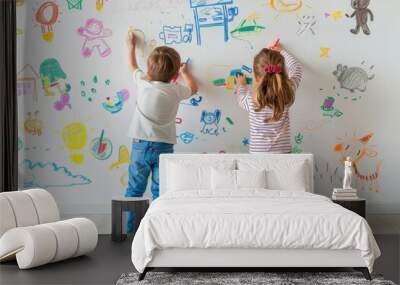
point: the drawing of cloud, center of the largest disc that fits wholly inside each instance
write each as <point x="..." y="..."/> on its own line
<point x="50" y="174"/>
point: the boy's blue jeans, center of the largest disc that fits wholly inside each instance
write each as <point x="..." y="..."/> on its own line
<point x="144" y="159"/>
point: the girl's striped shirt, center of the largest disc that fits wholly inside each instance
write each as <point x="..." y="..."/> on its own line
<point x="271" y="137"/>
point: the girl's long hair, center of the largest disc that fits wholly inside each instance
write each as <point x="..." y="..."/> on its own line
<point x="275" y="90"/>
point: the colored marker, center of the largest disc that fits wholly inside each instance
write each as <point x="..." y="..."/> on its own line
<point x="276" y="43"/>
<point x="236" y="72"/>
<point x="219" y="82"/>
<point x="174" y="80"/>
<point x="246" y="68"/>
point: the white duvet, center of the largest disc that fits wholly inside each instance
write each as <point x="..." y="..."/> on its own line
<point x="250" y="219"/>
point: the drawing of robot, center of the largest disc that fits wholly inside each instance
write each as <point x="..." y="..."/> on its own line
<point x="213" y="13"/>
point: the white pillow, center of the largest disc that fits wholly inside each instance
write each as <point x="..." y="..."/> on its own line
<point x="187" y="175"/>
<point x="290" y="175"/>
<point x="292" y="179"/>
<point x="225" y="179"/>
<point x="251" y="179"/>
<point x="182" y="177"/>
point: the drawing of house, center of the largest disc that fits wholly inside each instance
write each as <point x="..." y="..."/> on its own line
<point x="27" y="81"/>
<point x="213" y="13"/>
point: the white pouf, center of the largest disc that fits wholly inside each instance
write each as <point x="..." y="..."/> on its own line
<point x="31" y="233"/>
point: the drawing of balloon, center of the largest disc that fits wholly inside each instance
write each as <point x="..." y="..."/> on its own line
<point x="47" y="15"/>
<point x="74" y="136"/>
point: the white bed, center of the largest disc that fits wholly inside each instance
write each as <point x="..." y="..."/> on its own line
<point x="203" y="220"/>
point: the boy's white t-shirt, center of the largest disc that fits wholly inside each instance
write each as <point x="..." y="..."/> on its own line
<point x="156" y="108"/>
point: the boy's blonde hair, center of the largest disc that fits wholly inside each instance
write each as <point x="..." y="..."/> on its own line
<point x="275" y="90"/>
<point x="163" y="64"/>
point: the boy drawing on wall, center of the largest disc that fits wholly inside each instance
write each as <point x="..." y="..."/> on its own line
<point x="153" y="126"/>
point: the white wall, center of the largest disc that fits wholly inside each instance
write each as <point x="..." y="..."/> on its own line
<point x="87" y="187"/>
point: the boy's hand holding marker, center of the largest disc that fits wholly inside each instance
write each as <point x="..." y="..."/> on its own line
<point x="131" y="40"/>
<point x="184" y="67"/>
<point x="188" y="77"/>
<point x="131" y="43"/>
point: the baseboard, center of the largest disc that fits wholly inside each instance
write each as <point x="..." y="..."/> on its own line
<point x="380" y="223"/>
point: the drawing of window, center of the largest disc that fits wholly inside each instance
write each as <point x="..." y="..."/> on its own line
<point x="213" y="13"/>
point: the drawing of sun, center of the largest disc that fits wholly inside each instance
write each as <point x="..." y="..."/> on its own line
<point x="287" y="6"/>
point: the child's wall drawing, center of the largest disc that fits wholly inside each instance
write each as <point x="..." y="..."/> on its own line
<point x="353" y="78"/>
<point x="95" y="38"/>
<point x="366" y="162"/>
<point x="362" y="14"/>
<point x="72" y="68"/>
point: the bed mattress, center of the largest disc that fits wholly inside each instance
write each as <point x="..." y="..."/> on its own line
<point x="250" y="219"/>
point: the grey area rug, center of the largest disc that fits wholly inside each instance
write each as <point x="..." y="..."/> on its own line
<point x="269" y="278"/>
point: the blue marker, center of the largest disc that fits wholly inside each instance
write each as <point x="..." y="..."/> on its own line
<point x="236" y="72"/>
<point x="187" y="61"/>
<point x="246" y="68"/>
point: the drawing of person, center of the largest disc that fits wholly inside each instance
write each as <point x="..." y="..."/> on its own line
<point x="94" y="34"/>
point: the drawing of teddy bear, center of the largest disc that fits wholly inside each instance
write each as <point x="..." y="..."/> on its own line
<point x="361" y="12"/>
<point x="210" y="122"/>
<point x="94" y="34"/>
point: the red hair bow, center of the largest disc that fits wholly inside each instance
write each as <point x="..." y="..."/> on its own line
<point x="273" y="68"/>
